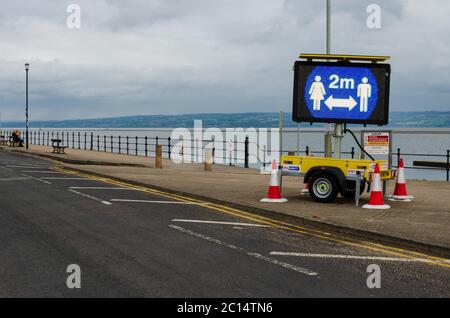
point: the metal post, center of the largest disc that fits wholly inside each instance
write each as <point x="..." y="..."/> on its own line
<point x="281" y="136"/>
<point x="146" y="146"/>
<point x="235" y="149"/>
<point x="264" y="156"/>
<point x="281" y="151"/>
<point x="338" y="135"/>
<point x="137" y="142"/>
<point x="328" y="135"/>
<point x="358" y="188"/>
<point x="92" y="141"/>
<point x="26" y="109"/>
<point x="448" y="165"/>
<point x="246" y="153"/>
<point x="328" y="44"/>
<point x="298" y="139"/>
<point x="170" y="147"/>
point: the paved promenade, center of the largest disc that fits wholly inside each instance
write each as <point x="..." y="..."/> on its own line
<point x="426" y="220"/>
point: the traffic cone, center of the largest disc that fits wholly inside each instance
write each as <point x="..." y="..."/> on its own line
<point x="274" y="195"/>
<point x="305" y="190"/>
<point x="400" y="192"/>
<point x="376" y="194"/>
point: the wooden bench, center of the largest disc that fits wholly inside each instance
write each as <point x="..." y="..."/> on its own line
<point x="57" y="148"/>
<point x="3" y="141"/>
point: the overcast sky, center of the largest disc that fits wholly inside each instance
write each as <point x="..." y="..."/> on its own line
<point x="135" y="57"/>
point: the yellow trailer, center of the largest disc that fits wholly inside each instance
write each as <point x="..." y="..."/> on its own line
<point x="328" y="177"/>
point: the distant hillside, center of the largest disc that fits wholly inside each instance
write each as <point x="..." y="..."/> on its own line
<point x="257" y="120"/>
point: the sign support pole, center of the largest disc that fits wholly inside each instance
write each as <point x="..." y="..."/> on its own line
<point x="338" y="128"/>
<point x="338" y="135"/>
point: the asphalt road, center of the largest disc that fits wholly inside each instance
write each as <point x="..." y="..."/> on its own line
<point x="130" y="243"/>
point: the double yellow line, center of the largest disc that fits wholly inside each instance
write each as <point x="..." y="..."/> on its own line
<point x="374" y="247"/>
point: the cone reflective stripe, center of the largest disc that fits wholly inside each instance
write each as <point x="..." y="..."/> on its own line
<point x="400" y="192"/>
<point x="376" y="194"/>
<point x="274" y="194"/>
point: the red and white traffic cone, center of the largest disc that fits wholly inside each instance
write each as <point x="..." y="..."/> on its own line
<point x="400" y="192"/>
<point x="274" y="195"/>
<point x="376" y="194"/>
<point x="305" y="190"/>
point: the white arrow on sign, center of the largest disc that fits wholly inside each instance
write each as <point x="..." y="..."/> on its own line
<point x="349" y="103"/>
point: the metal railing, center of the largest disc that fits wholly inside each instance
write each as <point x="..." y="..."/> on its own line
<point x="146" y="146"/>
<point x="138" y="145"/>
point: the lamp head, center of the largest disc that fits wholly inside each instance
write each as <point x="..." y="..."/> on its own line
<point x="27" y="66"/>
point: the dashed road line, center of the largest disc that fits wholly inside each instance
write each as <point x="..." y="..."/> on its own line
<point x="255" y="255"/>
<point x="90" y="197"/>
<point x="54" y="178"/>
<point x="36" y="179"/>
<point x="283" y="264"/>
<point x="27" y="167"/>
<point x="34" y="171"/>
<point x="13" y="179"/>
<point x="354" y="257"/>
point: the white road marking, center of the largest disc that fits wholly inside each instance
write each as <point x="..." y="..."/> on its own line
<point x="13" y="179"/>
<point x="101" y="188"/>
<point x="35" y="171"/>
<point x="354" y="257"/>
<point x="255" y="255"/>
<point x="156" y="202"/>
<point x="37" y="179"/>
<point x="207" y="238"/>
<point x="51" y="178"/>
<point x="90" y="197"/>
<point x="283" y="264"/>
<point x="223" y="223"/>
<point x="27" y="167"/>
<point x="6" y="168"/>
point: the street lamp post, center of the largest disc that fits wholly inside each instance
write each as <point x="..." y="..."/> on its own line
<point x="27" y="67"/>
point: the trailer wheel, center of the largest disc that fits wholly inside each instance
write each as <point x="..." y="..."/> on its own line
<point x="351" y="189"/>
<point x="324" y="187"/>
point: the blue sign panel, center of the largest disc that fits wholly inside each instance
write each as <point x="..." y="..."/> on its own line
<point x="341" y="93"/>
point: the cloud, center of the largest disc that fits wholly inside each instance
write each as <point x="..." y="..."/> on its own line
<point x="187" y="56"/>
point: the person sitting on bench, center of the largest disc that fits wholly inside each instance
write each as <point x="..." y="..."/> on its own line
<point x="16" y="138"/>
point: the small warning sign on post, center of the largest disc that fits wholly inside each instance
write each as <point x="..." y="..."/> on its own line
<point x="377" y="143"/>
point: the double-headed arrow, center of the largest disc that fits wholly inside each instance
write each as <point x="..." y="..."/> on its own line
<point x="349" y="103"/>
